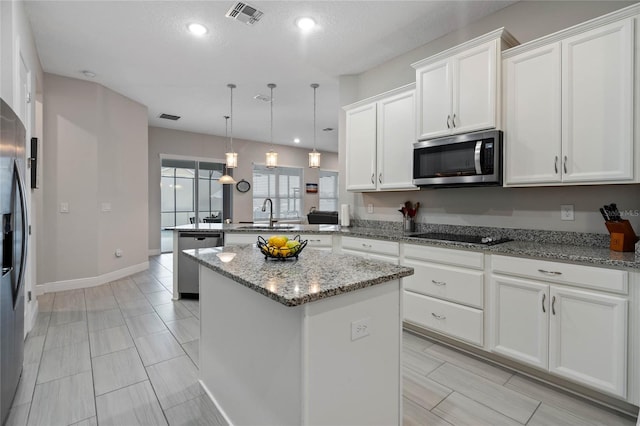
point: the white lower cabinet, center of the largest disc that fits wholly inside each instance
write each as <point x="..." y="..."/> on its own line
<point x="446" y="291"/>
<point x="387" y="251"/>
<point x="577" y="334"/>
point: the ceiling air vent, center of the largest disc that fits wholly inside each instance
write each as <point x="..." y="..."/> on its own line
<point x="170" y="117"/>
<point x="244" y="13"/>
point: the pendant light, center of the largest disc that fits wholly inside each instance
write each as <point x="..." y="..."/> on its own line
<point x="272" y="156"/>
<point x="232" y="157"/>
<point x="225" y="179"/>
<point x="314" y="156"/>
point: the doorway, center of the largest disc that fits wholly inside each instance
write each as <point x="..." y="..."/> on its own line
<point x="190" y="193"/>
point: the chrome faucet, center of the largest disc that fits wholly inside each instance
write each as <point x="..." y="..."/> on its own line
<point x="264" y="208"/>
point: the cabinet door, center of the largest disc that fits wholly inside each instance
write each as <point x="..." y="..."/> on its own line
<point x="588" y="339"/>
<point x="519" y="320"/>
<point x="396" y="136"/>
<point x="361" y="148"/>
<point x="433" y="91"/>
<point x="474" y="89"/>
<point x="597" y="109"/>
<point x="532" y="116"/>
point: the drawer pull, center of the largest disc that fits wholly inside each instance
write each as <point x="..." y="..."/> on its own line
<point x="549" y="272"/>
<point x="544" y="297"/>
<point x="439" y="283"/>
<point x="315" y="241"/>
<point x="553" y="305"/>
<point x="366" y="245"/>
<point x="439" y="317"/>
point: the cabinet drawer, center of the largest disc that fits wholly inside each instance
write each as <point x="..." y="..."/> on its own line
<point x="445" y="317"/>
<point x="316" y="241"/>
<point x="581" y="276"/>
<point x="236" y="239"/>
<point x="371" y="246"/>
<point x="446" y="282"/>
<point x="366" y="255"/>
<point x="467" y="259"/>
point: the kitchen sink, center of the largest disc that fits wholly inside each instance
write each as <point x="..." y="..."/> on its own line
<point x="260" y="226"/>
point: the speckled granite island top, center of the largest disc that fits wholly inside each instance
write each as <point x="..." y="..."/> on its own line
<point x="313" y="276"/>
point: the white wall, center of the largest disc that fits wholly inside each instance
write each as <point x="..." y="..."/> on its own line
<point x="195" y="145"/>
<point x="16" y="41"/>
<point x="94" y="152"/>
<point x="535" y="208"/>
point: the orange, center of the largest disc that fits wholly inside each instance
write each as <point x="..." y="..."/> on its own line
<point x="278" y="241"/>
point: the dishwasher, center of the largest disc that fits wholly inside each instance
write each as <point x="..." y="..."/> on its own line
<point x="188" y="279"/>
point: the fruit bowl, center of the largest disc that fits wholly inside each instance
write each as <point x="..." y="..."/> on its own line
<point x="280" y="247"/>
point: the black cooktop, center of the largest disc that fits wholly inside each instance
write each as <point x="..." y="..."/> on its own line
<point x="472" y="239"/>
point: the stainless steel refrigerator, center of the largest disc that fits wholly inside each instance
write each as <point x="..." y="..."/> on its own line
<point x="14" y="249"/>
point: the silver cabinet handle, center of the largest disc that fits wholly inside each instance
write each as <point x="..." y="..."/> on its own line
<point x="549" y="272"/>
<point x="555" y="165"/>
<point x="448" y="118"/>
<point x="439" y="283"/>
<point x="453" y="120"/>
<point x="544" y="297"/>
<point x="380" y="178"/>
<point x="553" y="305"/>
<point x="314" y="241"/>
<point x="440" y="317"/>
<point x="565" y="164"/>
<point x="366" y="245"/>
<point x="373" y="178"/>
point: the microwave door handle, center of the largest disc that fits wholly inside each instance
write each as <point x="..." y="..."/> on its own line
<point x="477" y="157"/>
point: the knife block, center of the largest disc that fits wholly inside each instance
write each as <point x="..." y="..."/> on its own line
<point x="622" y="236"/>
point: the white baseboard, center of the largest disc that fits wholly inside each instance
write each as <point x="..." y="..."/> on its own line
<point x="32" y="317"/>
<point x="90" y="281"/>
<point x="154" y="252"/>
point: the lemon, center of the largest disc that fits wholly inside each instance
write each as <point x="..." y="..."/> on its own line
<point x="278" y="241"/>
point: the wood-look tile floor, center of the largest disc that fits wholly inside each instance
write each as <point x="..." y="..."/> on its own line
<point x="125" y="354"/>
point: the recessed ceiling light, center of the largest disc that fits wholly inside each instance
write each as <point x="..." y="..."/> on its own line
<point x="89" y="74"/>
<point x="305" y="23"/>
<point x="197" y="29"/>
<point x="296" y="140"/>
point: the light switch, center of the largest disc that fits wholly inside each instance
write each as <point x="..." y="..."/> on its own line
<point x="64" y="207"/>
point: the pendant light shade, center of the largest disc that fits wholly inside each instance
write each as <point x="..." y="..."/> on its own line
<point x="314" y="156"/>
<point x="226" y="179"/>
<point x="272" y="156"/>
<point x="232" y="157"/>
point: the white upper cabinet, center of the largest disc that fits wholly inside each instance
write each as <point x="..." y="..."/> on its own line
<point x="532" y="116"/>
<point x="380" y="133"/>
<point x="597" y="109"/>
<point x="361" y="147"/>
<point x="457" y="90"/>
<point x="569" y="106"/>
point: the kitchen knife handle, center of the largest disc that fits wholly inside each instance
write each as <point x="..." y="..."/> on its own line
<point x="604" y="214"/>
<point x="555" y="165"/>
<point x="544" y="297"/>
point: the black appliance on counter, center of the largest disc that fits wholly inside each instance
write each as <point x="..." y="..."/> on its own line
<point x="13" y="210"/>
<point x="470" y="159"/>
<point x="318" y="217"/>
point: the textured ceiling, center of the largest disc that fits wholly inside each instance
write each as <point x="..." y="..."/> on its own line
<point x="143" y="50"/>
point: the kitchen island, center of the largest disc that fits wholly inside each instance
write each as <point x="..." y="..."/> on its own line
<point x="300" y="342"/>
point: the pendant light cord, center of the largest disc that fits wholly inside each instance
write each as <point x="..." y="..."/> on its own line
<point x="271" y="86"/>
<point x="231" y="87"/>
<point x="315" y="132"/>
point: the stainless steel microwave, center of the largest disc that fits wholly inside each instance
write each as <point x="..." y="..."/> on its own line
<point x="470" y="159"/>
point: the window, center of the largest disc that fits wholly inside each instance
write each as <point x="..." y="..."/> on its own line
<point x="283" y="185"/>
<point x="328" y="190"/>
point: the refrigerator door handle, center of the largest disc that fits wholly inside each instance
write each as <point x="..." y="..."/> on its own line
<point x="20" y="192"/>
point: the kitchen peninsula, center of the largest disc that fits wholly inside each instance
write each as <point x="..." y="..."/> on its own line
<point x="310" y="341"/>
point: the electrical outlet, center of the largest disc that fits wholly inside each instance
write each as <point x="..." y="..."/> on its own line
<point x="64" y="207"/>
<point x="360" y="329"/>
<point x="369" y="208"/>
<point x="118" y="252"/>
<point x="566" y="212"/>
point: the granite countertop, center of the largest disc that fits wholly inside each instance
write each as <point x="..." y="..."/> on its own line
<point x="586" y="249"/>
<point x="313" y="276"/>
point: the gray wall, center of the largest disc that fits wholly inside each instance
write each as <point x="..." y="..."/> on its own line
<point x="536" y="208"/>
<point x="95" y="151"/>
<point x="195" y="145"/>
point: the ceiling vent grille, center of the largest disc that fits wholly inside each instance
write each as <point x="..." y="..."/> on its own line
<point x="244" y="13"/>
<point x="170" y="117"/>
